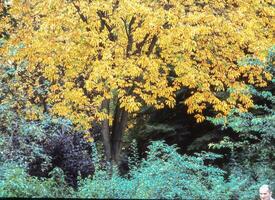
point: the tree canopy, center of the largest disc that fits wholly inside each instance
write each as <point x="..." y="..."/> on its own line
<point x="100" y="60"/>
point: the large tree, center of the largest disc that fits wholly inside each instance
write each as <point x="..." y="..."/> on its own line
<point x="102" y="60"/>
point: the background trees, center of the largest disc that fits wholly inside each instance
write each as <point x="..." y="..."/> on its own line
<point x="251" y="142"/>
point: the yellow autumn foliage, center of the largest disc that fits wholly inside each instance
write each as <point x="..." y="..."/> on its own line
<point x="139" y="51"/>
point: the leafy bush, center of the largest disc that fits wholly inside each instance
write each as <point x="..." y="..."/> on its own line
<point x="21" y="139"/>
<point x="15" y="182"/>
<point x="163" y="174"/>
<point x="167" y="174"/>
<point x="44" y="144"/>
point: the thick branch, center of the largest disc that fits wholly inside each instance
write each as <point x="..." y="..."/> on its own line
<point x="128" y="29"/>
<point x="141" y="44"/>
<point x="111" y="35"/>
<point x="152" y="45"/>
<point x="81" y="15"/>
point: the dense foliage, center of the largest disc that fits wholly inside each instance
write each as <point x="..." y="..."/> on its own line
<point x="163" y="174"/>
<point x="40" y="146"/>
<point x="91" y="51"/>
<point x="106" y="60"/>
<point x="15" y="182"/>
<point x="252" y="142"/>
<point x="86" y="85"/>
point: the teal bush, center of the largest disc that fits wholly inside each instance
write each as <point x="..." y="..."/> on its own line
<point x="165" y="174"/>
<point x="15" y="182"/>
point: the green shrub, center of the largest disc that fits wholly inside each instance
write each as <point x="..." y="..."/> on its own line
<point x="43" y="144"/>
<point x="169" y="175"/>
<point x="164" y="174"/>
<point x="15" y="182"/>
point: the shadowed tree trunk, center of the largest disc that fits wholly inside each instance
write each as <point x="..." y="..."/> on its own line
<point x="112" y="136"/>
<point x="106" y="133"/>
<point x="119" y="125"/>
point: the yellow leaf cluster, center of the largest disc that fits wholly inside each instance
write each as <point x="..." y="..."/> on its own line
<point x="139" y="52"/>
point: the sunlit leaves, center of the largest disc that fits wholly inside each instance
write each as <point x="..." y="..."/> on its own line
<point x="140" y="52"/>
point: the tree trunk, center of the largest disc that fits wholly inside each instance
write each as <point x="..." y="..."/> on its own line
<point x="106" y="133"/>
<point x="113" y="142"/>
<point x="119" y="125"/>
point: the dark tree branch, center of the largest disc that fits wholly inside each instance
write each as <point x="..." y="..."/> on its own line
<point x="152" y="45"/>
<point x="111" y="35"/>
<point x="119" y="125"/>
<point x="81" y="15"/>
<point x="141" y="44"/>
<point x="128" y="29"/>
